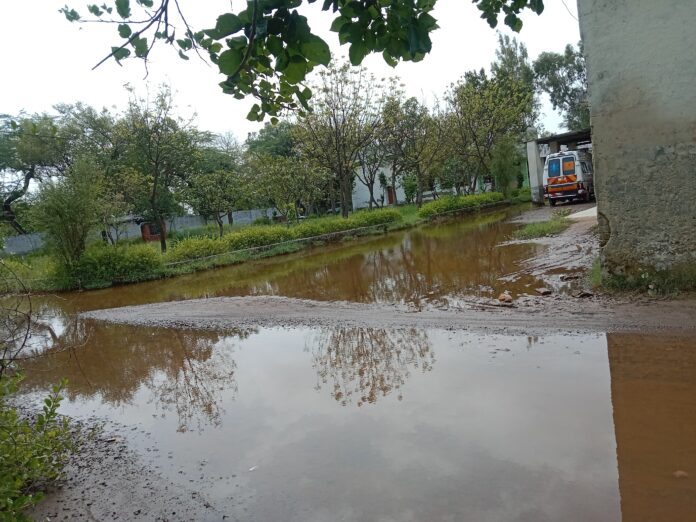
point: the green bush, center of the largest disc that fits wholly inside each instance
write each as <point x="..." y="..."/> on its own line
<point x="263" y="235"/>
<point x="381" y="216"/>
<point x="263" y="220"/>
<point x="103" y="265"/>
<point x="257" y="236"/>
<point x="32" y="452"/>
<point x="452" y="203"/>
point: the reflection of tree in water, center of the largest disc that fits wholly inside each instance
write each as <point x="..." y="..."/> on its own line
<point x="185" y="371"/>
<point x="363" y="364"/>
<point x="201" y="370"/>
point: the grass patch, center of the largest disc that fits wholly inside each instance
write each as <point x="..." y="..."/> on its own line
<point x="654" y="282"/>
<point x="447" y="204"/>
<point x="596" y="274"/>
<point x="553" y="226"/>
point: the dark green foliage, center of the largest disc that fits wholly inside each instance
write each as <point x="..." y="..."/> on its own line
<point x="453" y="203"/>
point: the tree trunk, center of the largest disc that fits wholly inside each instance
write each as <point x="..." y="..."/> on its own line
<point x="218" y="219"/>
<point x="346" y="193"/>
<point x="159" y="219"/>
<point x="230" y="218"/>
<point x="393" y="180"/>
<point x="419" y="188"/>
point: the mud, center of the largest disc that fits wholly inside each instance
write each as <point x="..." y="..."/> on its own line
<point x="107" y="480"/>
<point x="530" y="315"/>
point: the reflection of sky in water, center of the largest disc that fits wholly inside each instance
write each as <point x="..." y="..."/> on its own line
<point x="427" y="424"/>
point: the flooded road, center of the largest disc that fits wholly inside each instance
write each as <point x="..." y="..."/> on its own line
<point x="382" y="424"/>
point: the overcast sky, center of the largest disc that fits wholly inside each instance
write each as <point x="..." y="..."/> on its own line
<point x="46" y="60"/>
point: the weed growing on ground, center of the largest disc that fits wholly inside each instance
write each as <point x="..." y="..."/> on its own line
<point x="554" y="226"/>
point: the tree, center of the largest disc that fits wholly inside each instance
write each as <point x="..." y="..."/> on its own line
<point x="512" y="66"/>
<point x="422" y="146"/>
<point x="482" y="111"/>
<point x="161" y="153"/>
<point x="272" y="140"/>
<point x="31" y="149"/>
<point x="505" y="164"/>
<point x="371" y="159"/>
<point x="289" y="183"/>
<point x="267" y="49"/>
<point x="215" y="193"/>
<point x="564" y="78"/>
<point x="68" y="210"/>
<point x="344" y="121"/>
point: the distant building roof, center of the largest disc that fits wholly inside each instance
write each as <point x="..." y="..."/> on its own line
<point x="579" y="137"/>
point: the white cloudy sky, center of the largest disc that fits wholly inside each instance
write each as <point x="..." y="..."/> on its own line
<point x="46" y="60"/>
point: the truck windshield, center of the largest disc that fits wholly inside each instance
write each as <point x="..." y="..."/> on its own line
<point x="554" y="168"/>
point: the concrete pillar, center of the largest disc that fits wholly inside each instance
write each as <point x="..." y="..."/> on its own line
<point x="641" y="71"/>
<point x="536" y="172"/>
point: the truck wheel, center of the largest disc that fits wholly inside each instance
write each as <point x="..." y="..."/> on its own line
<point x="552" y="202"/>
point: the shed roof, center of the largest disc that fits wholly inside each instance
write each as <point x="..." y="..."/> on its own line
<point x="579" y="137"/>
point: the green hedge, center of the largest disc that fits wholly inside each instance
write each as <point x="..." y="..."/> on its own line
<point x="452" y="203"/>
<point x="263" y="235"/>
<point x="102" y="265"/>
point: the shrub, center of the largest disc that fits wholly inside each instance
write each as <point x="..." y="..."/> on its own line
<point x="263" y="235"/>
<point x="452" y="203"/>
<point x="103" y="265"/>
<point x="263" y="220"/>
<point x="257" y="236"/>
<point x="32" y="453"/>
<point x="381" y="216"/>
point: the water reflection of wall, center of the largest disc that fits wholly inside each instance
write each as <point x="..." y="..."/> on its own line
<point x="653" y="383"/>
<point x="360" y="365"/>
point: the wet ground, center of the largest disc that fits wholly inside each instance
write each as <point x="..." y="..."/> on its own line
<point x="385" y="420"/>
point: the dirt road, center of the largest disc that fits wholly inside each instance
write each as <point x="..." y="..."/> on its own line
<point x="531" y="315"/>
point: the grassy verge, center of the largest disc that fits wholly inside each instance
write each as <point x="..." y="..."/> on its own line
<point x="553" y="226"/>
<point x="447" y="204"/>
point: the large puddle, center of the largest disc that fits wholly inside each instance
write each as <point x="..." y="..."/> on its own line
<point x="365" y="424"/>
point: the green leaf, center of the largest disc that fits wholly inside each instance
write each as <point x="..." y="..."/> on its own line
<point x="338" y="23"/>
<point x="146" y="3"/>
<point x="228" y="24"/>
<point x="94" y="9"/>
<point x="124" y="30"/>
<point x="391" y="61"/>
<point x="70" y="14"/>
<point x="120" y="53"/>
<point x="123" y="8"/>
<point x="182" y="55"/>
<point x="229" y="61"/>
<point x="357" y="52"/>
<point x="275" y="45"/>
<point x="238" y="42"/>
<point x="140" y="47"/>
<point x="316" y="50"/>
<point x="296" y="70"/>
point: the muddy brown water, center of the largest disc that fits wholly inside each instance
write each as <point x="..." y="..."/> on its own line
<point x="370" y="424"/>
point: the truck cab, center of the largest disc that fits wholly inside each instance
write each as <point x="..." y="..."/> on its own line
<point x="567" y="176"/>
